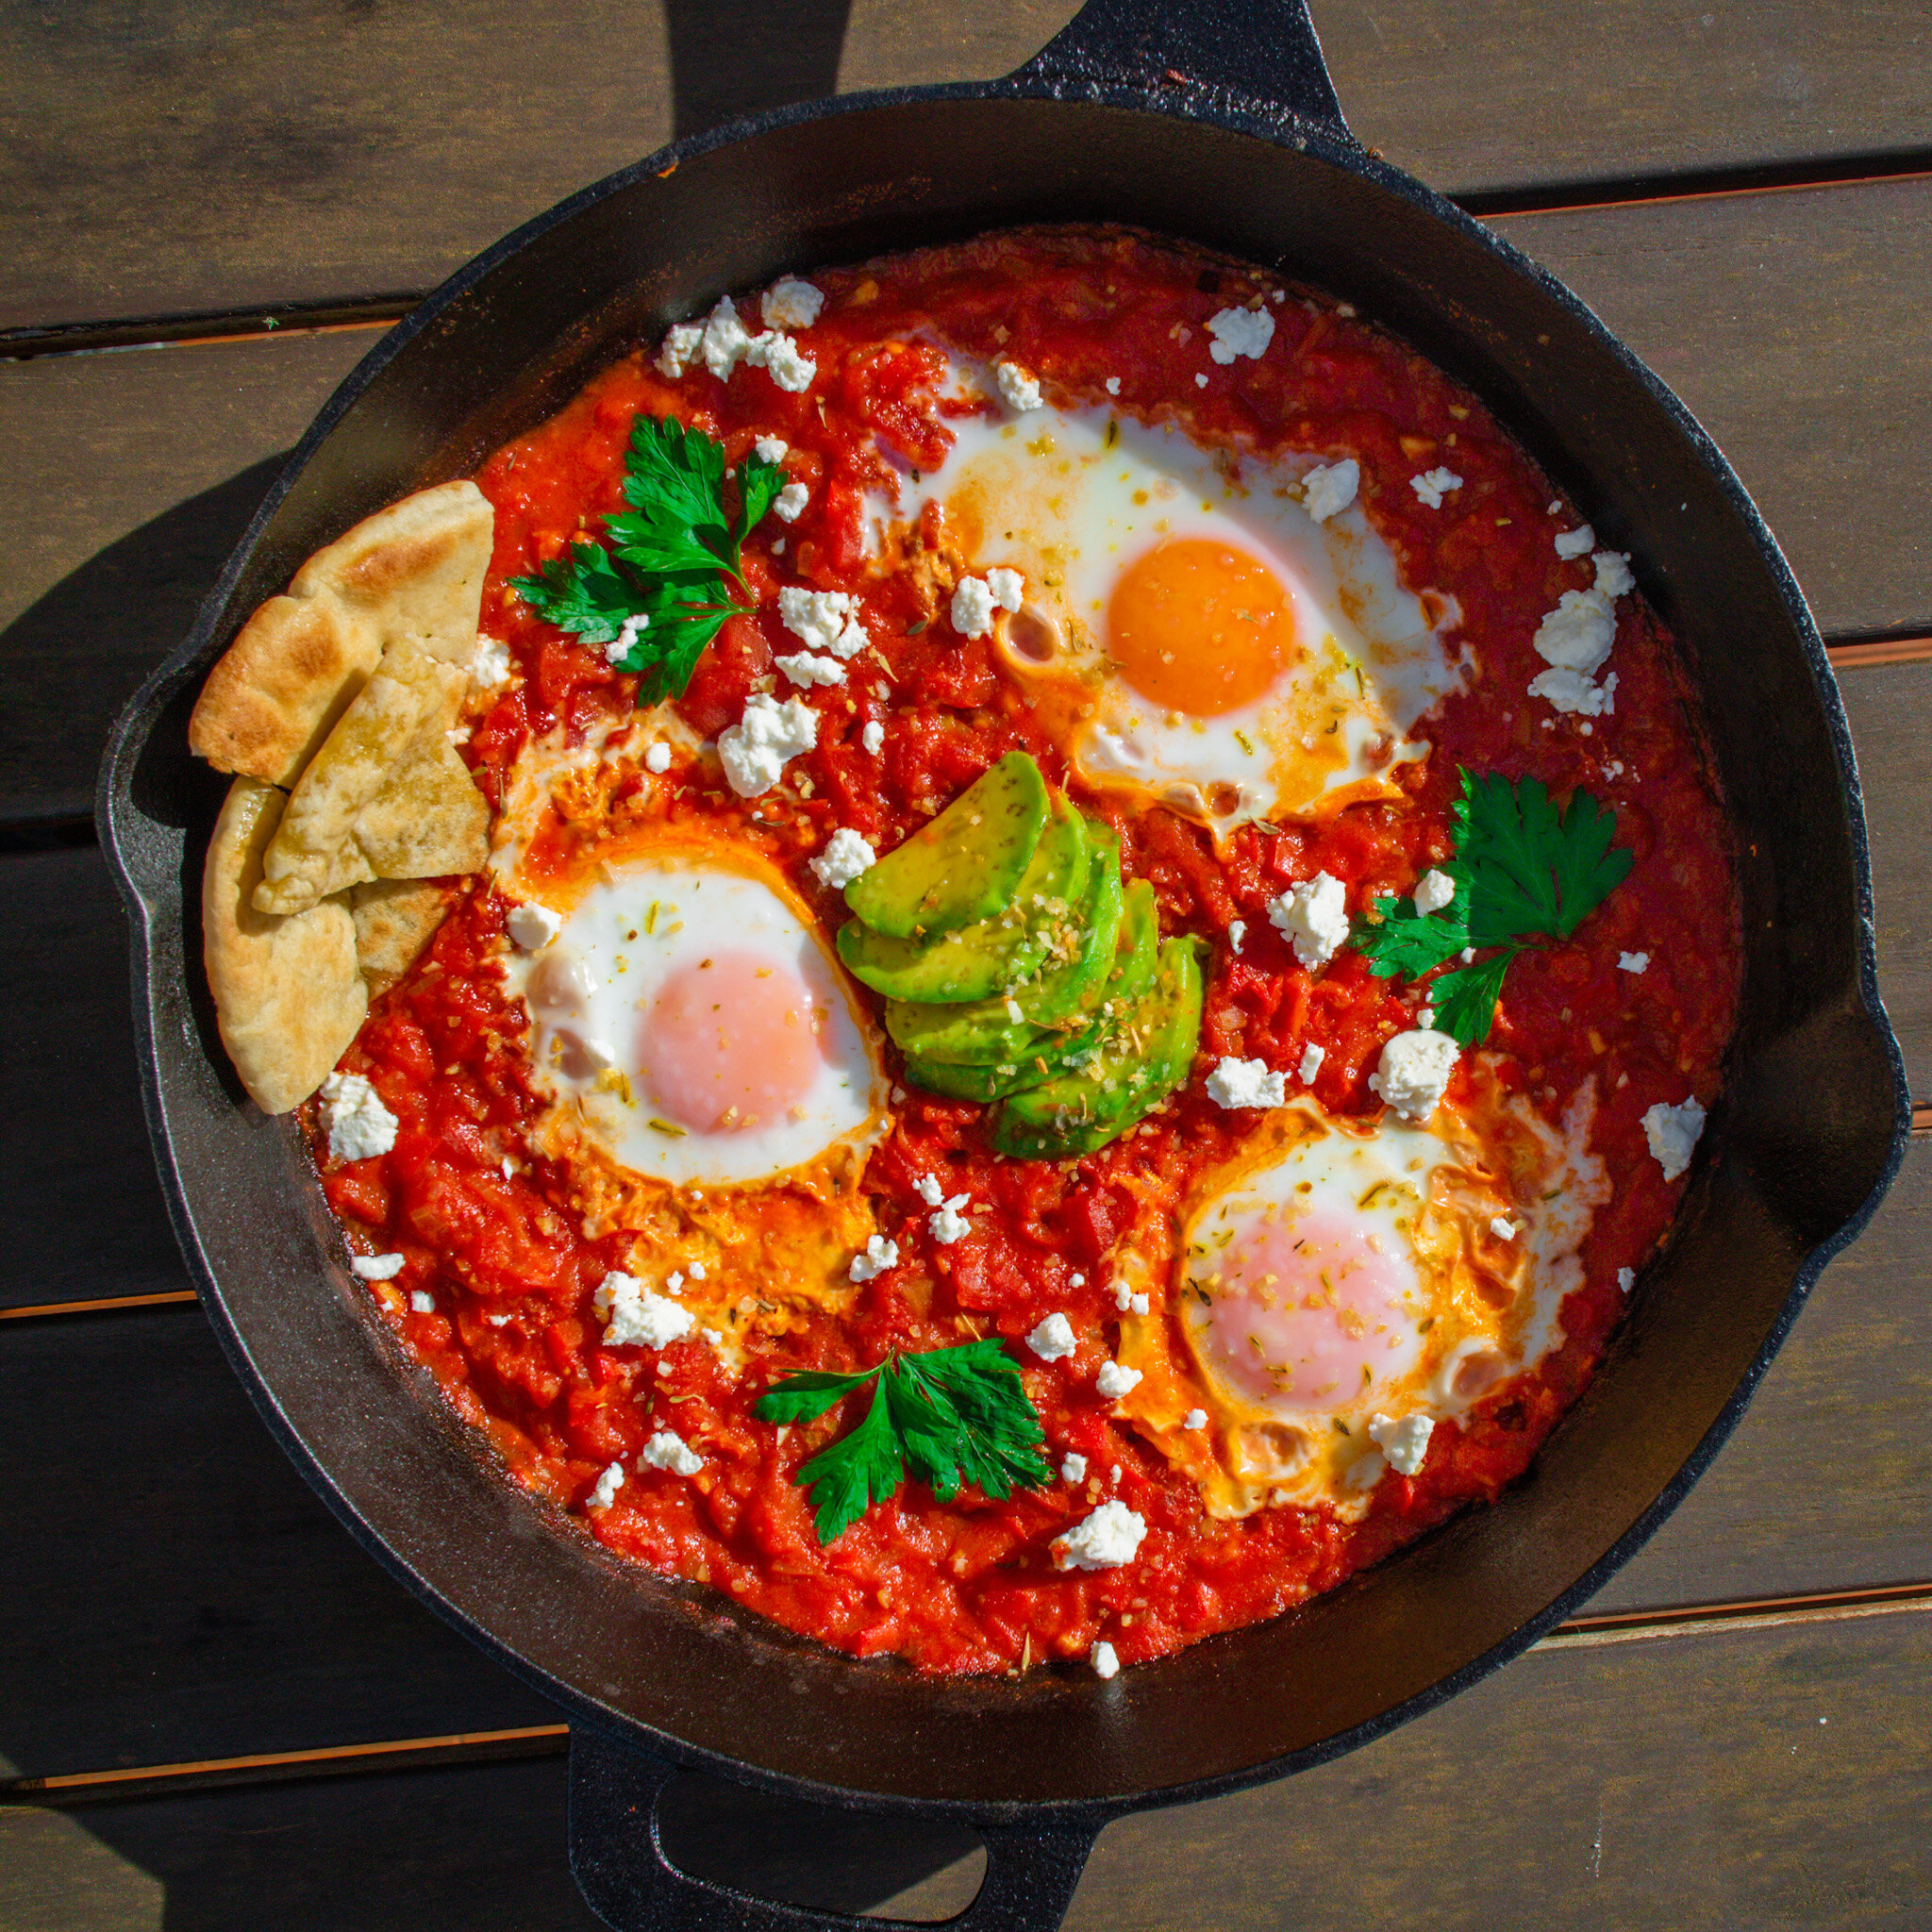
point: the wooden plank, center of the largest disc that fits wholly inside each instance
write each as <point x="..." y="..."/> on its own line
<point x="1746" y="1777"/>
<point x="231" y="155"/>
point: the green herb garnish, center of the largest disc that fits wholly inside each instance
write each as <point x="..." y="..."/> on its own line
<point x="670" y="561"/>
<point x="1524" y="873"/>
<point x="949" y="1416"/>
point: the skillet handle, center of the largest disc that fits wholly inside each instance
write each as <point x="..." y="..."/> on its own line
<point x="617" y="1858"/>
<point x="1265" y="53"/>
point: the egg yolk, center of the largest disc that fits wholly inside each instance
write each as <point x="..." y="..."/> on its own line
<point x="729" y="1042"/>
<point x="1198" y="626"/>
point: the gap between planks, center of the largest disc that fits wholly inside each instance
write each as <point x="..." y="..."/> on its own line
<point x="550" y="1741"/>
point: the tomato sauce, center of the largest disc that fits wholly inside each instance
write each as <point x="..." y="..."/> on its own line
<point x="488" y="1229"/>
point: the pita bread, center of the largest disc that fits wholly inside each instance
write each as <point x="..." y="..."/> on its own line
<point x="395" y="920"/>
<point x="288" y="996"/>
<point x="428" y="820"/>
<point x="412" y="573"/>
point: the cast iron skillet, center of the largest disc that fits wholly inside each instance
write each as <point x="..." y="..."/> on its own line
<point x="1215" y="121"/>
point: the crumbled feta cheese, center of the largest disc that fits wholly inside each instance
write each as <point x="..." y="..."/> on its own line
<point x="1104" y="1659"/>
<point x="359" y="1127"/>
<point x="1613" y="572"/>
<point x="1672" y="1132"/>
<point x="771" y="449"/>
<point x="1576" y="543"/>
<point x="658" y="759"/>
<point x="1113" y="385"/>
<point x="1122" y="1296"/>
<point x="376" y="1267"/>
<point x="880" y="1254"/>
<point x="949" y="1225"/>
<point x="608" y="1485"/>
<point x="497" y="1321"/>
<point x="532" y="926"/>
<point x="873" y="737"/>
<point x="973" y="605"/>
<point x="1434" y="891"/>
<point x="1104" y="1540"/>
<point x="790" y="303"/>
<point x="1404" y="1443"/>
<point x="1413" y="1072"/>
<point x="788" y="505"/>
<point x="666" y="1451"/>
<point x="1245" y="1083"/>
<point x="1432" y="485"/>
<point x="782" y="359"/>
<point x="1314" y="918"/>
<point x="845" y="856"/>
<point x="754" y="751"/>
<point x="1312" y="1057"/>
<point x="1019" y="390"/>
<point x="1200" y="382"/>
<point x="1578" y="633"/>
<point x="1009" y="587"/>
<point x="1425" y="1016"/>
<point x="1502" y="1227"/>
<point x="1626" y="1279"/>
<point x="674" y="1282"/>
<point x="680" y="345"/>
<point x="1137" y="1304"/>
<point x="1570" y="692"/>
<point x="1114" y="1381"/>
<point x="852" y="640"/>
<point x="815" y="618"/>
<point x="1194" y="1419"/>
<point x="1077" y="1280"/>
<point x="422" y="1302"/>
<point x="928" y="1188"/>
<point x="1632" y="962"/>
<point x="636" y="1318"/>
<point x="724" y="340"/>
<point x="1330" y="487"/>
<point x="1240" y="332"/>
<point x="1237" y="932"/>
<point x="1053" y="1339"/>
<point x="1072" y="1467"/>
<point x="804" y="667"/>
<point x="488" y="664"/>
<point x="621" y="646"/>
<point x="697" y="1271"/>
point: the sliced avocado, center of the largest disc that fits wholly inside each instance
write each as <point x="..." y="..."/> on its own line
<point x="1069" y="986"/>
<point x="996" y="953"/>
<point x="1136" y="953"/>
<point x="958" y="1082"/>
<point x="1133" y="1064"/>
<point x="961" y="865"/>
<point x="980" y="1033"/>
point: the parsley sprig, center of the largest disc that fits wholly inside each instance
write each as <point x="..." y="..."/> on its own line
<point x="1524" y="873"/>
<point x="948" y="1416"/>
<point x="669" y="562"/>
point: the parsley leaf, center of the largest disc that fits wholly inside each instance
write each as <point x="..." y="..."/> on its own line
<point x="951" y="1416"/>
<point x="1524" y="875"/>
<point x="670" y="559"/>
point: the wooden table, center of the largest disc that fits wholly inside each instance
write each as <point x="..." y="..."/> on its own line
<point x="214" y="1711"/>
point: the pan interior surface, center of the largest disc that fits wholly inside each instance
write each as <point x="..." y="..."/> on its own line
<point x="1805" y="1133"/>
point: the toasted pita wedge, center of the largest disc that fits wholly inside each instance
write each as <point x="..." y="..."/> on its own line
<point x="395" y="920"/>
<point x="428" y="820"/>
<point x="397" y="719"/>
<point x="412" y="573"/>
<point x="288" y="996"/>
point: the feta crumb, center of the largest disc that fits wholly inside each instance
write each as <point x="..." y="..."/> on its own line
<point x="1103" y="1540"/>
<point x="1104" y="1659"/>
<point x="1672" y="1133"/>
<point x="658" y="759"/>
<point x="1072" y="1467"/>
<point x="782" y="359"/>
<point x="1432" y="485"/>
<point x="1578" y="633"/>
<point x="724" y="340"/>
<point x="1137" y="1304"/>
<point x="1194" y="1419"/>
<point x="1576" y="543"/>
<point x="1237" y="932"/>
<point x="873" y="736"/>
<point x="1613" y="577"/>
<point x="804" y="667"/>
<point x="880" y="1254"/>
<point x="949" y="1226"/>
<point x="497" y="1321"/>
<point x="788" y="505"/>
<point x="973" y="605"/>
<point x="608" y="1485"/>
<point x="754" y="750"/>
<point x="1312" y="1057"/>
<point x="532" y="926"/>
<point x="697" y="1271"/>
<point x="1114" y="1381"/>
<point x="928" y="1188"/>
<point x="1632" y="962"/>
<point x="1434" y="891"/>
<point x="359" y="1127"/>
<point x="1240" y="332"/>
<point x="621" y="646"/>
<point x="1570" y="692"/>
<point x="376" y="1267"/>
<point x="674" y="1282"/>
<point x="1425" y="1016"/>
<point x="1200" y="382"/>
<point x="1246" y="1083"/>
<point x="852" y="640"/>
<point x="422" y="1302"/>
<point x="1018" y="388"/>
<point x="1413" y="1072"/>
<point x="1502" y="1227"/>
<point x="791" y="303"/>
<point x="488" y="664"/>
<point x="636" y="1318"/>
<point x="1404" y="1442"/>
<point x="1330" y="487"/>
<point x="1626" y="1279"/>
<point x="845" y="856"/>
<point x="666" y="1451"/>
<point x="1053" y="1339"/>
<point x="1113" y="385"/>
<point x="1077" y="1280"/>
<point x="1313" y="917"/>
<point x="1009" y="587"/>
<point x="815" y="617"/>
<point x="771" y="449"/>
<point x="680" y="345"/>
<point x="1123" y="1295"/>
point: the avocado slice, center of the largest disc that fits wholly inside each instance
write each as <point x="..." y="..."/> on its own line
<point x="962" y="865"/>
<point x="1071" y="985"/>
<point x="993" y="955"/>
<point x="1139" y="1059"/>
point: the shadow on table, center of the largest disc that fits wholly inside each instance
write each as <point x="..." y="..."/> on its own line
<point x="727" y="61"/>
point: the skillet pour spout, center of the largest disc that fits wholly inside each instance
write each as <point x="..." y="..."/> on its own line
<point x="1216" y="122"/>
